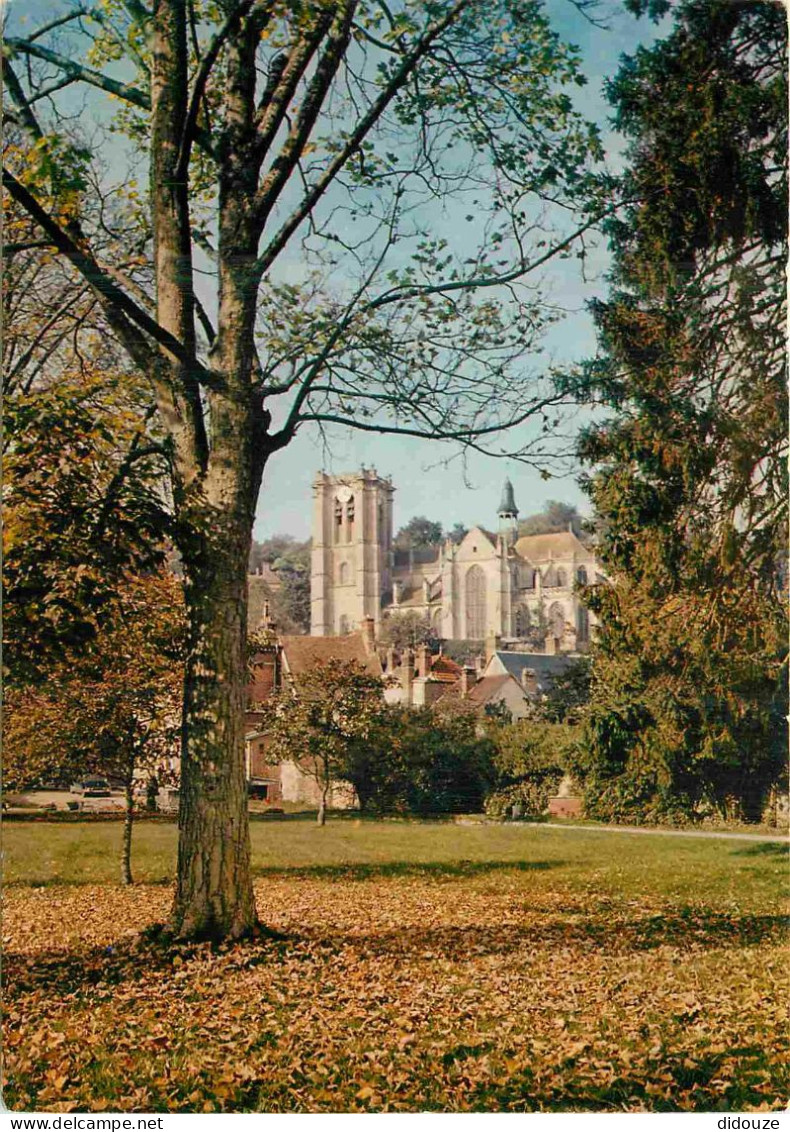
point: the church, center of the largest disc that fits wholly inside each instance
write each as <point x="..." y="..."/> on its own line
<point x="492" y="584"/>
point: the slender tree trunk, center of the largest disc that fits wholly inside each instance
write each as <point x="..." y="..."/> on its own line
<point x="322" y="802"/>
<point x="126" y="849"/>
<point x="214" y="897"/>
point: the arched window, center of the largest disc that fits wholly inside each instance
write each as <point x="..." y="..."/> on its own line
<point x="350" y="520"/>
<point x="582" y="625"/>
<point x="343" y="574"/>
<point x="581" y="576"/>
<point x="475" y="604"/>
<point x="343" y="627"/>
<point x="562" y="577"/>
<point x="556" y="620"/>
<point x="522" y="621"/>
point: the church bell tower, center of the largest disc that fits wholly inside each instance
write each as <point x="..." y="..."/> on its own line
<point x="352" y="550"/>
<point x="508" y="513"/>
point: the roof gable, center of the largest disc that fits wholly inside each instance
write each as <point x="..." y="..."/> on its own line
<point x="544" y="665"/>
<point x="473" y="537"/>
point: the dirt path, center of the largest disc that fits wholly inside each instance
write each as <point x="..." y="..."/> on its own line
<point x="667" y="832"/>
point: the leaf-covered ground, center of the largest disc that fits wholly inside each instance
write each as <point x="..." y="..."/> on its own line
<point x="422" y="967"/>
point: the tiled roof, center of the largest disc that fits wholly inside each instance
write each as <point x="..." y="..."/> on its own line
<point x="484" y="690"/>
<point x="444" y="665"/>
<point x="480" y="694"/>
<point x="537" y="548"/>
<point x="544" y="665"/>
<point x="303" y="653"/>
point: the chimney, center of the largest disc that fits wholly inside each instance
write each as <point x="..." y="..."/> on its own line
<point x="493" y="644"/>
<point x="480" y="663"/>
<point x="529" y="681"/>
<point x="369" y="634"/>
<point x="422" y="661"/>
<point x="406" y="674"/>
<point x="467" y="681"/>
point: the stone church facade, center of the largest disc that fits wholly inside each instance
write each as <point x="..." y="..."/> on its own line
<point x="491" y="584"/>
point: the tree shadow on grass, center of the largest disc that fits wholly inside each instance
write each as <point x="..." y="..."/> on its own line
<point x="83" y="972"/>
<point x="378" y="870"/>
<point x="764" y="849"/>
<point x="610" y="935"/>
<point x="668" y="1082"/>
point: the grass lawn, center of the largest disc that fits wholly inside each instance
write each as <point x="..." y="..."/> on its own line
<point x="422" y="967"/>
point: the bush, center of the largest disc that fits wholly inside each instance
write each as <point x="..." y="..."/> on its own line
<point x="420" y="761"/>
<point x="530" y="761"/>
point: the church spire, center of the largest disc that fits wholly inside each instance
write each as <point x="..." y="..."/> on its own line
<point x="507" y="504"/>
<point x="508" y="512"/>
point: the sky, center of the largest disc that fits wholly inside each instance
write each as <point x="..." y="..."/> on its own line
<point x="431" y="478"/>
<point x="434" y="479"/>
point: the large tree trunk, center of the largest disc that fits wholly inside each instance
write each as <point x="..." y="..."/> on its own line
<point x="214" y="897"/>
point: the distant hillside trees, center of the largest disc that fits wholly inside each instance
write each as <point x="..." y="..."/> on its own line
<point x="286" y="584"/>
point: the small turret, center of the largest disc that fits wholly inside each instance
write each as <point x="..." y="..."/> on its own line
<point x="508" y="512"/>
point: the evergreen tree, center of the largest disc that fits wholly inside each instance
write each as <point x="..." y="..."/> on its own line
<point x="689" y="479"/>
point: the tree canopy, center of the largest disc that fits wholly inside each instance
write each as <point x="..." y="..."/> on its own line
<point x="419" y="532"/>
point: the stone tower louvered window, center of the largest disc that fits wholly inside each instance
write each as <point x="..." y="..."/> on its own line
<point x="350" y="520"/>
<point x="475" y="604"/>
<point x="338" y="519"/>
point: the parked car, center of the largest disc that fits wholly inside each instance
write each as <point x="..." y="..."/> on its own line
<point x="92" y="787"/>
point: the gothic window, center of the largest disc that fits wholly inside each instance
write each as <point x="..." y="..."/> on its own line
<point x="522" y="621"/>
<point x="556" y="620"/>
<point x="475" y="604"/>
<point x="582" y="625"/>
<point x="581" y="576"/>
<point x="350" y="519"/>
<point x="343" y="626"/>
<point x="343" y="574"/>
<point x="562" y="578"/>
